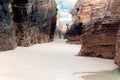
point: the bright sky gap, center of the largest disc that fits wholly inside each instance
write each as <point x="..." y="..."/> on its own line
<point x="64" y="9"/>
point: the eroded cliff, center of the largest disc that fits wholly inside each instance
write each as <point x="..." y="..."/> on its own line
<point x="34" y="21"/>
<point x="101" y="20"/>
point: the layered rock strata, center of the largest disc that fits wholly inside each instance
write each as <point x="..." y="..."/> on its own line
<point x="100" y="19"/>
<point x="100" y="40"/>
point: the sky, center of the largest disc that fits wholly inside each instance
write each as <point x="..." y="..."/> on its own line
<point x="64" y="9"/>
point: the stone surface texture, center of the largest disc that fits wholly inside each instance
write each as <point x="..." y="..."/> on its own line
<point x="101" y="21"/>
<point x="37" y="26"/>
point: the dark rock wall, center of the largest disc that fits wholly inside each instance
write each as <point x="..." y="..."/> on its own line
<point x="7" y="28"/>
<point x="37" y="26"/>
<point x="73" y="35"/>
<point x="32" y="25"/>
<point x="7" y="38"/>
<point x="53" y="19"/>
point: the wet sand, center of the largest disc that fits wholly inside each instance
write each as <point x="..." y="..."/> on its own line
<point x="50" y="61"/>
<point x="107" y="75"/>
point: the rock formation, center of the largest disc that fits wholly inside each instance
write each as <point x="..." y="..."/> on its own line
<point x="100" y="19"/>
<point x="39" y="25"/>
<point x="116" y="12"/>
<point x="100" y="40"/>
<point x="7" y="38"/>
<point x="34" y="22"/>
<point x="7" y="28"/>
<point x="73" y="34"/>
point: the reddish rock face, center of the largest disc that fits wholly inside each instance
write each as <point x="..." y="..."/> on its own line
<point x="100" y="40"/>
<point x="101" y="21"/>
<point x="117" y="58"/>
<point x="89" y="10"/>
<point x="116" y="12"/>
